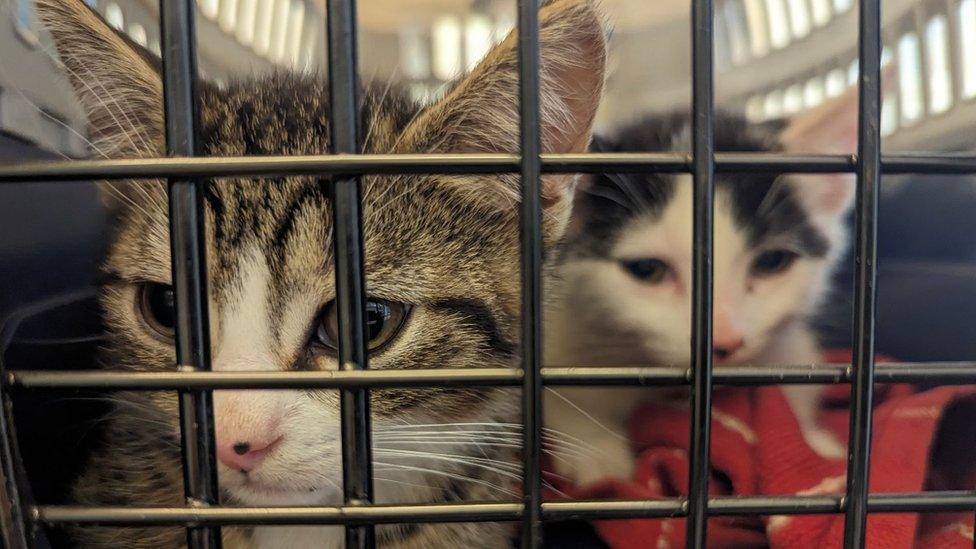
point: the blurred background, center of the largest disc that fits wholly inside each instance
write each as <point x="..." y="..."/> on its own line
<point x="774" y="58"/>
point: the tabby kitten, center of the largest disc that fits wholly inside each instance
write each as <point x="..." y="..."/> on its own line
<point x="442" y="276"/>
<point x="627" y="273"/>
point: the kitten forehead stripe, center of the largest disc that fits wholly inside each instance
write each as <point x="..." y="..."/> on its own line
<point x="316" y="192"/>
<point x="479" y="316"/>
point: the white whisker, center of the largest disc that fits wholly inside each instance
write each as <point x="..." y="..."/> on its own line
<point x="587" y="415"/>
<point x="512" y="430"/>
<point x="548" y="448"/>
<point x="96" y="96"/>
<point x="462" y="478"/>
<point x="386" y="92"/>
<point x="484" y="463"/>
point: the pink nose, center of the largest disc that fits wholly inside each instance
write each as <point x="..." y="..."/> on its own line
<point x="723" y="349"/>
<point x="727" y="337"/>
<point x="244" y="455"/>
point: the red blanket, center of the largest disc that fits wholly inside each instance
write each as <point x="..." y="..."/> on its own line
<point x="757" y="449"/>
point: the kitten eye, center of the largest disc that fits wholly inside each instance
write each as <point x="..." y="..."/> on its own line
<point x="772" y="262"/>
<point x="157" y="304"/>
<point x="652" y="271"/>
<point x="383" y="321"/>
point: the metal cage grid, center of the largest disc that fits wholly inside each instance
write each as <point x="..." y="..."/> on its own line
<point x="204" y="515"/>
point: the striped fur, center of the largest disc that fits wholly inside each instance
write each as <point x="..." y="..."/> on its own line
<point x="446" y="245"/>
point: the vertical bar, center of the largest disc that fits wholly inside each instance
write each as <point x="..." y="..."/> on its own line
<point x="188" y="249"/>
<point x="868" y="187"/>
<point x="702" y="111"/>
<point x="357" y="462"/>
<point x="530" y="234"/>
<point x="13" y="521"/>
<point x="188" y="254"/>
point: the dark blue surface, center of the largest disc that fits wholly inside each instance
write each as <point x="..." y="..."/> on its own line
<point x="51" y="234"/>
<point x="51" y="240"/>
<point x="926" y="272"/>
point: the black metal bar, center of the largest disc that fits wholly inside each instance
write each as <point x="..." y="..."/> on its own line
<point x="921" y="502"/>
<point x="530" y="236"/>
<point x="360" y="515"/>
<point x="776" y="505"/>
<point x="942" y="373"/>
<point x="928" y="164"/>
<point x="866" y="255"/>
<point x="342" y="379"/>
<point x="357" y="459"/>
<point x="346" y="164"/>
<point x="615" y="509"/>
<point x="762" y="162"/>
<point x="702" y="114"/>
<point x="954" y="51"/>
<point x="189" y="263"/>
<point x="14" y="526"/>
<point x="338" y="164"/>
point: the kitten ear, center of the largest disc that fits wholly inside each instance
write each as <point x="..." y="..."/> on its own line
<point x="118" y="85"/>
<point x="481" y="112"/>
<point x="830" y="128"/>
<point x="120" y="88"/>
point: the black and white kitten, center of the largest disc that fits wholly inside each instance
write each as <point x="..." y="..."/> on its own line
<point x="627" y="274"/>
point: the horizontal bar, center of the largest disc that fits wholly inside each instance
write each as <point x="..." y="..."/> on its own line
<point x="925" y="502"/>
<point x="945" y="164"/>
<point x="344" y="164"/>
<point x="614" y="509"/>
<point x="777" y="505"/>
<point x="328" y="379"/>
<point x="945" y="373"/>
<point x="336" y="515"/>
<point x="918" y="502"/>
<point x="350" y="164"/>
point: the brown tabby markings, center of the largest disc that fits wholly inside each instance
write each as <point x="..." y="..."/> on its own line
<point x="447" y="245"/>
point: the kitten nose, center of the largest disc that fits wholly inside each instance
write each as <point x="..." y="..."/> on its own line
<point x="727" y="337"/>
<point x="725" y="348"/>
<point x="245" y="455"/>
<point x="248" y="426"/>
